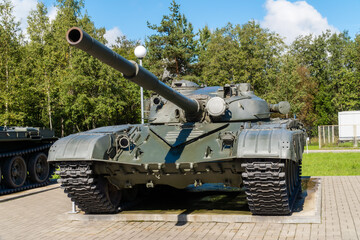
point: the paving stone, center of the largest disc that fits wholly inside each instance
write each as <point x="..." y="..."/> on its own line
<point x="36" y="216"/>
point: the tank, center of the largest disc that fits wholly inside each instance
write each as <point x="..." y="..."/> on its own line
<point x="194" y="135"/>
<point x="23" y="158"/>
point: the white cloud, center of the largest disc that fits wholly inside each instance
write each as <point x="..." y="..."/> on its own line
<point x="21" y="11"/>
<point x="291" y="19"/>
<point x="112" y="34"/>
<point x="52" y="12"/>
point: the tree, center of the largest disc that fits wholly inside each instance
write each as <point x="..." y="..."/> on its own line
<point x="173" y="46"/>
<point x="261" y="51"/>
<point x="10" y="72"/>
<point x="330" y="62"/>
<point x="344" y="74"/>
<point x="64" y="82"/>
<point x="127" y="93"/>
<point x="244" y="53"/>
<point x="40" y="67"/>
<point x="89" y="94"/>
<point x="221" y="59"/>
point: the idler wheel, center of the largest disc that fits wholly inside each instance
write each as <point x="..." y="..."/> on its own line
<point x="112" y="194"/>
<point x="289" y="177"/>
<point x="15" y="172"/>
<point x="38" y="168"/>
<point x="293" y="179"/>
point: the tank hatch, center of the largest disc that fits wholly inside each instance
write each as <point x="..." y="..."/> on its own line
<point x="184" y="84"/>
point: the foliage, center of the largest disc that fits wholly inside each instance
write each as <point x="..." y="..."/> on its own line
<point x="220" y="57"/>
<point x="10" y="73"/>
<point x="45" y="82"/>
<point x="173" y="46"/>
<point x="244" y="53"/>
<point x="329" y="61"/>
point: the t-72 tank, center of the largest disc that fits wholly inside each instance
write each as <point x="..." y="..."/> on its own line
<point x="23" y="158"/>
<point x="194" y="135"/>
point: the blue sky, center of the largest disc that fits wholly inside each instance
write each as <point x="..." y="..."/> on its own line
<point x="289" y="18"/>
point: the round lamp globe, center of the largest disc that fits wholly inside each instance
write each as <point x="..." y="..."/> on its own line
<point x="140" y="52"/>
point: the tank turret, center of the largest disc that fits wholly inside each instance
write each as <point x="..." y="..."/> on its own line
<point x="194" y="135"/>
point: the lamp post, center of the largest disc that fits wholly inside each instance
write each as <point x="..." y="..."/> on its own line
<point x="140" y="53"/>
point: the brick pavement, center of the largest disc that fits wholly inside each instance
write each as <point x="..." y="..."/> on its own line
<point x="37" y="217"/>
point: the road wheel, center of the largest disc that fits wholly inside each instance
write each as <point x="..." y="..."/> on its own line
<point x="15" y="172"/>
<point x="38" y="168"/>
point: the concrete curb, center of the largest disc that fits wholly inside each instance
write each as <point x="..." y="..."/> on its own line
<point x="199" y="218"/>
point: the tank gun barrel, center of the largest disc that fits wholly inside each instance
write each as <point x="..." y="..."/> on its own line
<point x="282" y="107"/>
<point x="130" y="69"/>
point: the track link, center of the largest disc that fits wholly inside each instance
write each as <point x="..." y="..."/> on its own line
<point x="26" y="151"/>
<point x="267" y="189"/>
<point x="25" y="187"/>
<point x="85" y="188"/>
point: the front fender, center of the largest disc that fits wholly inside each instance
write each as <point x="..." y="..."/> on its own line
<point x="80" y="147"/>
<point x="270" y="143"/>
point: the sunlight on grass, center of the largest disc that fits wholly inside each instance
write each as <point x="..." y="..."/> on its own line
<point x="331" y="164"/>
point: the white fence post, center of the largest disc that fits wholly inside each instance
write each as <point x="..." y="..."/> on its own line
<point x="307" y="145"/>
<point x="355" y="137"/>
<point x="319" y="132"/>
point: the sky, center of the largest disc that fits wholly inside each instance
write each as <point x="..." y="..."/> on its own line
<point x="289" y="18"/>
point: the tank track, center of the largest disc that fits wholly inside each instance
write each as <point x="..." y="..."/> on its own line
<point x="27" y="185"/>
<point x="25" y="151"/>
<point x="80" y="184"/>
<point x="266" y="187"/>
<point x="23" y="188"/>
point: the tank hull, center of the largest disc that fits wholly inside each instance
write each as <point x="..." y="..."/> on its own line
<point x="193" y="153"/>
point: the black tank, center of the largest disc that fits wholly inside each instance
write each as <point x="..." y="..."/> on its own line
<point x="23" y="158"/>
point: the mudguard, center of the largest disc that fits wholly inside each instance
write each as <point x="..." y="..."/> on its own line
<point x="270" y="143"/>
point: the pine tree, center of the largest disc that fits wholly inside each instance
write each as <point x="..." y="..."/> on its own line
<point x="173" y="47"/>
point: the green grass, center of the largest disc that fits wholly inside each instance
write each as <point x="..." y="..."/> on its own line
<point x="345" y="145"/>
<point x="55" y="176"/>
<point x="331" y="164"/>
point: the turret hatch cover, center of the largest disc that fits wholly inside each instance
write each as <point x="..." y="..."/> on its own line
<point x="186" y="133"/>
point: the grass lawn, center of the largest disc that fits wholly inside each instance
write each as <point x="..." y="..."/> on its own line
<point x="345" y="145"/>
<point x="331" y="164"/>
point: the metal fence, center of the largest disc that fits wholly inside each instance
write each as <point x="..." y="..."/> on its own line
<point x="335" y="134"/>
